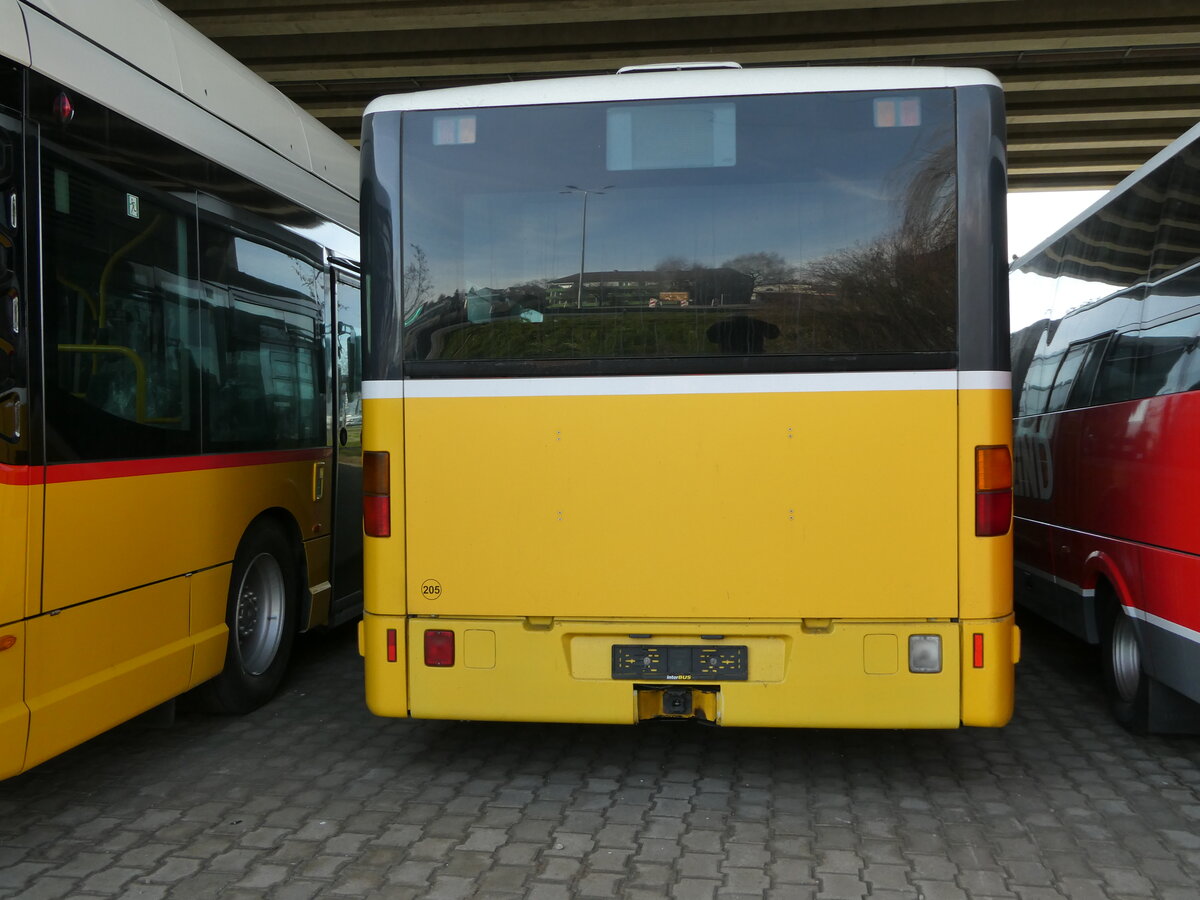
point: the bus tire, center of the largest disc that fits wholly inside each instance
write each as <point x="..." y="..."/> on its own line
<point x="1125" y="672"/>
<point x="261" y="616"/>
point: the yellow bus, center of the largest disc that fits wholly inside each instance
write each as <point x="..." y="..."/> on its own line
<point x="179" y="413"/>
<point x="687" y="396"/>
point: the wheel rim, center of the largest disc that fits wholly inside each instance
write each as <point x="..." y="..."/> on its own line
<point x="1126" y="659"/>
<point x="260" y="605"/>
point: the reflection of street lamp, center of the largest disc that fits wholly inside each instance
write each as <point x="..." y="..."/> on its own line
<point x="572" y="189"/>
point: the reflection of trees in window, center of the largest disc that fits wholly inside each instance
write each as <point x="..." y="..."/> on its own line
<point x="417" y="283"/>
<point x="313" y="279"/>
<point x="763" y="268"/>
<point x="897" y="293"/>
<point x="673" y="272"/>
<point x="703" y="285"/>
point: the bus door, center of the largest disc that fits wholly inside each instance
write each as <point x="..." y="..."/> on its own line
<point x="20" y="490"/>
<point x="347" y="491"/>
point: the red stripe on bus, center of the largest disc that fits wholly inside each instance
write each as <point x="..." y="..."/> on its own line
<point x="20" y="475"/>
<point x="95" y="471"/>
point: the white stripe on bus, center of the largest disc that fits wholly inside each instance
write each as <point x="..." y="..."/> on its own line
<point x="1165" y="624"/>
<point x="637" y="385"/>
<point x="984" y="381"/>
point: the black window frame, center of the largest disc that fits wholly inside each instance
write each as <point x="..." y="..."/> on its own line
<point x="982" y="288"/>
<point x="118" y="150"/>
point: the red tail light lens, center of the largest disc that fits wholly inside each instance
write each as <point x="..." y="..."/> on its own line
<point x="978" y="650"/>
<point x="439" y="648"/>
<point x="993" y="491"/>
<point x="64" y="112"/>
<point x="993" y="513"/>
<point x="377" y="499"/>
<point x="377" y="516"/>
<point x="393" y="652"/>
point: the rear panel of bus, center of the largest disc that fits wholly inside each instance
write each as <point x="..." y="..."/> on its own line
<point x="693" y="417"/>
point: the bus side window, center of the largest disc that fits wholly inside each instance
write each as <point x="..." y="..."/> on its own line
<point x="1114" y="382"/>
<point x="1064" y="381"/>
<point x="1081" y="392"/>
<point x="1168" y="360"/>
<point x="120" y="314"/>
<point x="263" y="364"/>
<point x="1187" y="376"/>
<point x="1035" y="393"/>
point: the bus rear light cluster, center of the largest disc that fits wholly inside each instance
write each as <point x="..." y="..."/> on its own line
<point x="377" y="494"/>
<point x="439" y="648"/>
<point x="993" y="491"/>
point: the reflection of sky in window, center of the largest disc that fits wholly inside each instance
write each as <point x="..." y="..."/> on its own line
<point x="1173" y="297"/>
<point x="275" y="266"/>
<point x="1037" y="296"/>
<point x="341" y="241"/>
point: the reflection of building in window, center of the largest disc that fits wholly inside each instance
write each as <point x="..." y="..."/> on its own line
<point x="702" y="286"/>
<point x="791" y="291"/>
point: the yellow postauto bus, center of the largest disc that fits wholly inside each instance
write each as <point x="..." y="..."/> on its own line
<point x="687" y="396"/>
<point x="179" y="415"/>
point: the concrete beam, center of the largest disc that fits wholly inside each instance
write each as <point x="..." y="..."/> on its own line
<point x="1093" y="89"/>
<point x="236" y="18"/>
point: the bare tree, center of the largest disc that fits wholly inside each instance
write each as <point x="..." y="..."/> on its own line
<point x="417" y="283"/>
<point x="763" y="268"/>
<point x="899" y="291"/>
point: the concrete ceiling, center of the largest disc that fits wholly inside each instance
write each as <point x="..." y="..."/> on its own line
<point x="1094" y="88"/>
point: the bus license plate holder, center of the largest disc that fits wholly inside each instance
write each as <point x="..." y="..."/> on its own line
<point x="681" y="662"/>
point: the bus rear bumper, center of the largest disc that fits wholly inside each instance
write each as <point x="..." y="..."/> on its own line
<point x="803" y="673"/>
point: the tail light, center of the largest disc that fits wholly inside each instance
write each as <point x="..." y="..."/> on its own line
<point x="439" y="648"/>
<point x="377" y="494"/>
<point x="393" y="648"/>
<point x="993" y="491"/>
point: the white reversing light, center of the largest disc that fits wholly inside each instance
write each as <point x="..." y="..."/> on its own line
<point x="924" y="653"/>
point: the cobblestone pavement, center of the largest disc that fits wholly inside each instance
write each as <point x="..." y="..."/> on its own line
<point x="312" y="796"/>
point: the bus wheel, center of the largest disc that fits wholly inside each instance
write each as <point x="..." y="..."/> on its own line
<point x="261" y="615"/>
<point x="1125" y="675"/>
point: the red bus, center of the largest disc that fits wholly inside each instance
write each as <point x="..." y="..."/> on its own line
<point x="1107" y="439"/>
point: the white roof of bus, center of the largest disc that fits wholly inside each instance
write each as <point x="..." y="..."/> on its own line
<point x="670" y="84"/>
<point x="1126" y="184"/>
<point x="140" y="59"/>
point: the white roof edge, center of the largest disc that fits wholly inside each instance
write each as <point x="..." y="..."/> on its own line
<point x="1125" y="184"/>
<point x="14" y="44"/>
<point x="322" y="155"/>
<point x="648" y="85"/>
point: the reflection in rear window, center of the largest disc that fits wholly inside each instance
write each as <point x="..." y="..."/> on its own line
<point x="694" y="229"/>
